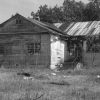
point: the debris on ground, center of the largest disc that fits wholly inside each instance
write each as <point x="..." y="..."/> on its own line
<point x="98" y="76"/>
<point x="62" y="82"/>
<point x="24" y="74"/>
<point x="27" y="78"/>
<point x="79" y="66"/>
<point x="64" y="76"/>
<point x="53" y="74"/>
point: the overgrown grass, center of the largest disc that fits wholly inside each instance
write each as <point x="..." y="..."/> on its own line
<point x="45" y="86"/>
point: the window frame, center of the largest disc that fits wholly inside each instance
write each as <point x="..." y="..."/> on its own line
<point x="18" y="21"/>
<point x="33" y="49"/>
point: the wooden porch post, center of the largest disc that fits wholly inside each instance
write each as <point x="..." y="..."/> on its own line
<point x="84" y="46"/>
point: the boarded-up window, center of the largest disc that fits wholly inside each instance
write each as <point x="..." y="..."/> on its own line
<point x="34" y="48"/>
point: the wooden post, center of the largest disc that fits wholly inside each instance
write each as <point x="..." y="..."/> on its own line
<point x="84" y="46"/>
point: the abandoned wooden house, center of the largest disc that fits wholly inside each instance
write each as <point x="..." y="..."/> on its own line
<point x="84" y="42"/>
<point x="28" y="42"/>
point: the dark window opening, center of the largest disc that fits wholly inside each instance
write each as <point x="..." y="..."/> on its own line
<point x="18" y="21"/>
<point x="2" y="50"/>
<point x="34" y="48"/>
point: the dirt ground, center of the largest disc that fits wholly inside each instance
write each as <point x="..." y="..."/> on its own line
<point x="44" y="84"/>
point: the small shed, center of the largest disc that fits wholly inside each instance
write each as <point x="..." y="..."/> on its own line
<point x="26" y="42"/>
<point x="85" y="35"/>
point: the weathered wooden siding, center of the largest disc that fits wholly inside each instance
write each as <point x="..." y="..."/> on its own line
<point x="17" y="54"/>
<point x="91" y="59"/>
<point x="45" y="49"/>
<point x="25" y="26"/>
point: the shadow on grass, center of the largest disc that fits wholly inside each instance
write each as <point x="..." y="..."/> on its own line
<point x="59" y="83"/>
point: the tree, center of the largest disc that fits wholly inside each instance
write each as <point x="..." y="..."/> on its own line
<point x="73" y="10"/>
<point x="45" y="13"/>
<point x="57" y="14"/>
<point x="92" y="11"/>
<point x="50" y="15"/>
<point x="70" y="11"/>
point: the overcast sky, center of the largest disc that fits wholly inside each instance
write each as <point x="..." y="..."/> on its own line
<point x="24" y="7"/>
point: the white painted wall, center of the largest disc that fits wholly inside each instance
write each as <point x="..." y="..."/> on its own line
<point x="57" y="51"/>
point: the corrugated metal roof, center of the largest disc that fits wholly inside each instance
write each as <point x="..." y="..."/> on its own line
<point x="62" y="26"/>
<point x="83" y="28"/>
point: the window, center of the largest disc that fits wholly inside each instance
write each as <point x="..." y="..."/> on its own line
<point x="34" y="48"/>
<point x="18" y="21"/>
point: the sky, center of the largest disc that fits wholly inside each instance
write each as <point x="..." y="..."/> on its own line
<point x="24" y="7"/>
